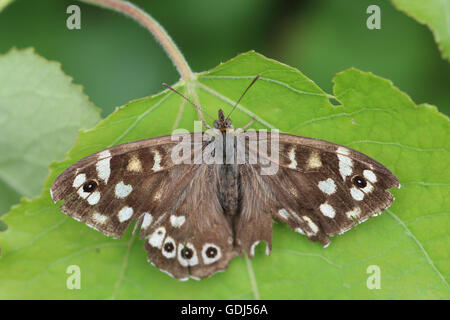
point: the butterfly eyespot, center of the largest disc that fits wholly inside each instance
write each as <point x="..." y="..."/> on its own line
<point x="187" y="253"/>
<point x="359" y="181"/>
<point x="211" y="252"/>
<point x="90" y="186"/>
<point x="168" y="247"/>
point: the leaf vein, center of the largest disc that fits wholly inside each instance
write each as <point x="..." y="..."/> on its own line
<point x="231" y="102"/>
<point x="399" y="145"/>
<point x="253" y="283"/>
<point x="419" y="244"/>
<point x="142" y="116"/>
<point x="283" y="84"/>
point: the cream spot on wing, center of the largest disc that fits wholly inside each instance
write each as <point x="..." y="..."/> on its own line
<point x="79" y="180"/>
<point x="252" y="248"/>
<point x="94" y="198"/>
<point x="299" y="230"/>
<point x="157" y="160"/>
<point x="327" y="210"/>
<point x="83" y="194"/>
<point x="370" y="175"/>
<point x="211" y="253"/>
<point x="293" y="163"/>
<point x="103" y="169"/>
<point x="327" y="186"/>
<point x="134" y="164"/>
<point x="343" y="150"/>
<point x="99" y="218"/>
<point x="314" y="228"/>
<point x="125" y="213"/>
<point x="148" y="218"/>
<point x="355" y="213"/>
<point x="104" y="154"/>
<point x="157" y="237"/>
<point x="177" y="221"/>
<point x="158" y="195"/>
<point x="283" y="213"/>
<point x="293" y="191"/>
<point x="169" y="248"/>
<point x="345" y="166"/>
<point x="314" y="161"/>
<point x="122" y="190"/>
<point x="357" y="194"/>
<point x="368" y="188"/>
<point x="193" y="260"/>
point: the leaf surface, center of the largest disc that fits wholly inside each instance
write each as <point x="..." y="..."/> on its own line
<point x="41" y="111"/>
<point x="435" y="14"/>
<point x="4" y="4"/>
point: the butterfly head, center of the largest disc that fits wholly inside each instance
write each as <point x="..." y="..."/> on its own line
<point x="222" y="123"/>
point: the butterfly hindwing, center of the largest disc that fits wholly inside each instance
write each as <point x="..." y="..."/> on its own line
<point x="193" y="237"/>
<point x="254" y="223"/>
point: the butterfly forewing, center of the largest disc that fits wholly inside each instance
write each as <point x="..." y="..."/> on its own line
<point x="325" y="189"/>
<point x="109" y="189"/>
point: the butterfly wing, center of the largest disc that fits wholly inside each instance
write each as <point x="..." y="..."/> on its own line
<point x="109" y="189"/>
<point x="193" y="238"/>
<point x="254" y="223"/>
<point x="178" y="213"/>
<point x="320" y="189"/>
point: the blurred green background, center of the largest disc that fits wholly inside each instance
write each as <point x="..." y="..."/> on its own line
<point x="116" y="60"/>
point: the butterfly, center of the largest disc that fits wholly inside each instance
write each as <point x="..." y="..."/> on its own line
<point x="196" y="217"/>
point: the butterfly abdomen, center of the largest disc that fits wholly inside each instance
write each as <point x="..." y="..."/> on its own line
<point x="228" y="188"/>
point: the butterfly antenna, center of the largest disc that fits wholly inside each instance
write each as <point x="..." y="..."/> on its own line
<point x="239" y="100"/>
<point x="199" y="110"/>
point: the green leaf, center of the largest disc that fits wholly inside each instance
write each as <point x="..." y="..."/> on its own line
<point x="433" y="13"/>
<point x="4" y="4"/>
<point x="40" y="114"/>
<point x="409" y="242"/>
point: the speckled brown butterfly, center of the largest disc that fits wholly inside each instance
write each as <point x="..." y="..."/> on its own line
<point x="197" y="217"/>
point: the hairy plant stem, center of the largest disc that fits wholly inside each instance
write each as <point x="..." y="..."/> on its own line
<point x="154" y="27"/>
